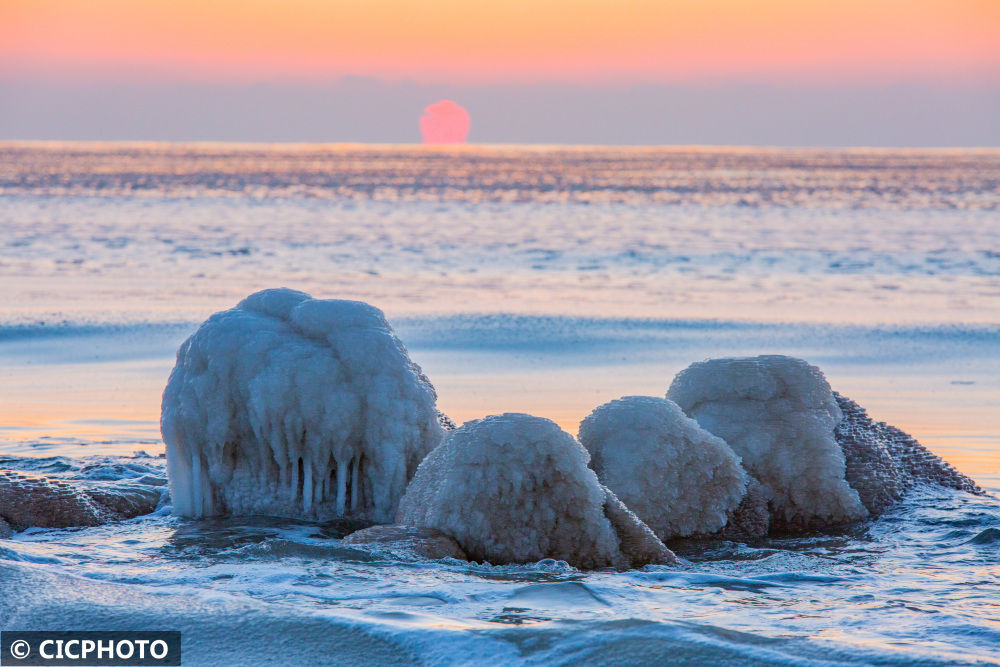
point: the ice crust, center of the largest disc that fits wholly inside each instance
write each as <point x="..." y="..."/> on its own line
<point x="294" y="406"/>
<point x="38" y="501"/>
<point x="778" y="414"/>
<point x="514" y="488"/>
<point x="883" y="462"/>
<point x="677" y="477"/>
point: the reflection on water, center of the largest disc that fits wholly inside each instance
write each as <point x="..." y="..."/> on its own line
<point x="176" y="232"/>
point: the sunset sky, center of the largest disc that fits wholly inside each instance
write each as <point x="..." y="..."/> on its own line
<point x="63" y="52"/>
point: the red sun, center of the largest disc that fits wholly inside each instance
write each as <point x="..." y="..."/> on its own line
<point x="444" y="122"/>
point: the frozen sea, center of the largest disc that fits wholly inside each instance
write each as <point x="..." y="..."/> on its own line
<point x="532" y="279"/>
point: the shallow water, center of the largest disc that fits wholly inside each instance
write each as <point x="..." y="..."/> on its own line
<point x="536" y="280"/>
<point x="918" y="586"/>
<point x="167" y="231"/>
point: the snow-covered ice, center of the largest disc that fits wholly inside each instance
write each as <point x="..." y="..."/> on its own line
<point x="778" y="413"/>
<point x="295" y="406"/>
<point x="677" y="477"/>
<point x="514" y="488"/>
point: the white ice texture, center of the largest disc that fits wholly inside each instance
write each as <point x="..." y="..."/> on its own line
<point x="514" y="488"/>
<point x="293" y="406"/>
<point x="677" y="477"/>
<point x="778" y="414"/>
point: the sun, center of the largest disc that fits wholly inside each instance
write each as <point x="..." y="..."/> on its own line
<point x="444" y="122"/>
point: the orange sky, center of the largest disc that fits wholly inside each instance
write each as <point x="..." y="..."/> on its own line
<point x="505" y="40"/>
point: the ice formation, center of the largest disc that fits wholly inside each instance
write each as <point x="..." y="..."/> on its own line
<point x="514" y="488"/>
<point x="36" y="501"/>
<point x="778" y="414"/>
<point x="883" y="461"/>
<point x="750" y="519"/>
<point x="677" y="477"/>
<point x="409" y="540"/>
<point x="295" y="406"/>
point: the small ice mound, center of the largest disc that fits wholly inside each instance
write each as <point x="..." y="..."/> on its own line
<point x="677" y="477"/>
<point x="293" y="406"/>
<point x="870" y="468"/>
<point x="516" y="489"/>
<point x="419" y="542"/>
<point x="883" y="461"/>
<point x="778" y="414"/>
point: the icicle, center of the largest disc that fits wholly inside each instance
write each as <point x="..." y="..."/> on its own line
<point x="307" y="487"/>
<point x="280" y="453"/>
<point x="318" y="491"/>
<point x="355" y="483"/>
<point x="342" y="473"/>
<point x="294" y="488"/>
<point x="197" y="486"/>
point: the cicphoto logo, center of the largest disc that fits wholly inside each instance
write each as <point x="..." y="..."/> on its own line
<point x="95" y="649"/>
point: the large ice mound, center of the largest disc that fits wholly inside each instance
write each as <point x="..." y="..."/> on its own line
<point x="295" y="406"/>
<point x="514" y="488"/>
<point x="677" y="477"/>
<point x="778" y="413"/>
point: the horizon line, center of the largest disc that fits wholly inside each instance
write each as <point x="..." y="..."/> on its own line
<point x="472" y="146"/>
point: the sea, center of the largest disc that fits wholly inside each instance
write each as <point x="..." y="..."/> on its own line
<point x="537" y="279"/>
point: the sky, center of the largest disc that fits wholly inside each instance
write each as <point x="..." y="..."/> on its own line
<point x="783" y="72"/>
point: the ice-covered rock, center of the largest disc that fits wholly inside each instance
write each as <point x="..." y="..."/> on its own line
<point x="514" y="488"/>
<point x="778" y="414"/>
<point x="677" y="477"/>
<point x="883" y="462"/>
<point x="36" y="501"/>
<point x="295" y="406"/>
